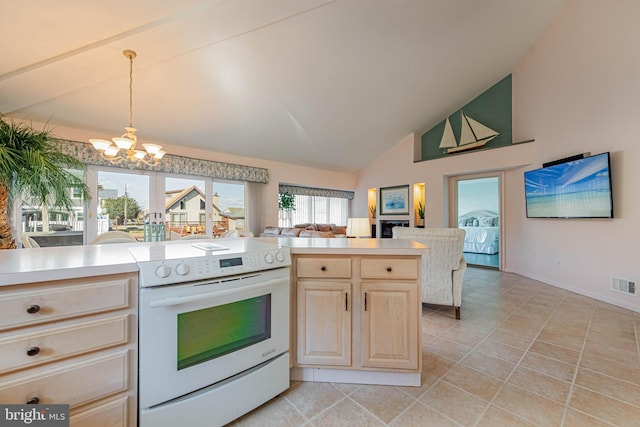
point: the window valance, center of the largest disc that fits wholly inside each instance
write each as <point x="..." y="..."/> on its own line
<point x="172" y="164"/>
<point x="312" y="191"/>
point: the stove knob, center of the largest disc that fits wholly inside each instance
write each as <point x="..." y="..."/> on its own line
<point x="163" y="271"/>
<point x="182" y="269"/>
<point x="268" y="258"/>
<point x="279" y="256"/>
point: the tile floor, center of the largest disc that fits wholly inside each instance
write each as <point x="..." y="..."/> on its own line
<point x="525" y="353"/>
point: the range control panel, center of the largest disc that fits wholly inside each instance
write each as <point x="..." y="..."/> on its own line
<point x="212" y="264"/>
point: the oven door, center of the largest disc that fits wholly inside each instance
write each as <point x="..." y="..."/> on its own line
<point x="196" y="334"/>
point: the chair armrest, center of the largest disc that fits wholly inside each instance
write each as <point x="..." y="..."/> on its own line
<point x="458" y="278"/>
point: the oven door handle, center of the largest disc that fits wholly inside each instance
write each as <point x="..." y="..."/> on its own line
<point x="168" y="302"/>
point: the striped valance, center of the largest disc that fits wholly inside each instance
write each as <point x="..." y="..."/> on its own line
<point x="172" y="164"/>
<point x="313" y="191"/>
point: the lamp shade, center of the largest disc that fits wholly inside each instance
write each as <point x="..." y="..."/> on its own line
<point x="358" y="227"/>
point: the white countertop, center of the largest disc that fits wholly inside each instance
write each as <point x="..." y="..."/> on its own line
<point x="357" y="246"/>
<point x="18" y="266"/>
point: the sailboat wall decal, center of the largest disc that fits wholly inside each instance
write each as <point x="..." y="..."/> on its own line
<point x="473" y="134"/>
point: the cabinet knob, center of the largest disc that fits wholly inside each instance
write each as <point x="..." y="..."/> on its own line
<point x="389" y="269"/>
<point x="33" y="400"/>
<point x="33" y="309"/>
<point x="32" y="351"/>
<point x="323" y="268"/>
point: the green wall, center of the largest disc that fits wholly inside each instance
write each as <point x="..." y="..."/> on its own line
<point x="492" y="108"/>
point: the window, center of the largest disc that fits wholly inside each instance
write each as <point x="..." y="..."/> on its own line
<point x="318" y="209"/>
<point x="185" y="205"/>
<point x="228" y="207"/>
<point x="54" y="226"/>
<point x="123" y="202"/>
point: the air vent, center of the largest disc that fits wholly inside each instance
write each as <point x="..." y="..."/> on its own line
<point x="624" y="285"/>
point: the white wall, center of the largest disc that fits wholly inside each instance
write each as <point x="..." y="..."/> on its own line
<point x="577" y="90"/>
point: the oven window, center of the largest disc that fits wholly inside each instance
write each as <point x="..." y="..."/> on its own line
<point x="215" y="331"/>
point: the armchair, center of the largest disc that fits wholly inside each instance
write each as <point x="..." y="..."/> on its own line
<point x="442" y="270"/>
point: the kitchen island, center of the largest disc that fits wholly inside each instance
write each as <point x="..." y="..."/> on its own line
<point x="355" y="310"/>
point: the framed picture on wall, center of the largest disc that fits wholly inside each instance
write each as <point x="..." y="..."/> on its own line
<point x="394" y="200"/>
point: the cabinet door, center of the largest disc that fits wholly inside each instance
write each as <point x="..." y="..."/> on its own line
<point x="389" y="325"/>
<point x="324" y="322"/>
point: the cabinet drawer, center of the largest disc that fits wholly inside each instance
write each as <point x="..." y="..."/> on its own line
<point x="61" y="302"/>
<point x="328" y="267"/>
<point x="389" y="268"/>
<point x="73" y="385"/>
<point x="114" y="414"/>
<point x="35" y="348"/>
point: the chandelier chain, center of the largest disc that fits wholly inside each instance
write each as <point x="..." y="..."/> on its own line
<point x="130" y="91"/>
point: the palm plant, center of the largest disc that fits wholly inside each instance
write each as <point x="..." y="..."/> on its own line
<point x="31" y="165"/>
<point x="420" y="210"/>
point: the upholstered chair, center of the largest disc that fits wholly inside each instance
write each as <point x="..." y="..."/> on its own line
<point x="113" y="237"/>
<point x="442" y="270"/>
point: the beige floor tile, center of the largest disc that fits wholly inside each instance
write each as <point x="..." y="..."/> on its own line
<point x="624" y="371"/>
<point x="613" y="336"/>
<point x="455" y="403"/>
<point x="555" y="368"/>
<point x="276" y="413"/>
<point x="419" y="415"/>
<point x="462" y="338"/>
<point x="346" y="388"/>
<point x="426" y="381"/>
<point x="541" y="384"/>
<point x="311" y="398"/>
<point x="531" y="407"/>
<point x="579" y="419"/>
<point x="446" y="348"/>
<point x="497" y="417"/>
<point x="612" y="387"/>
<point x="605" y="408"/>
<point x="433" y="328"/>
<point x="612" y="352"/>
<point x="385" y="402"/>
<point x="434" y="364"/>
<point x="561" y="340"/>
<point x="474" y="382"/>
<point x="555" y="352"/>
<point x="500" y="350"/>
<point x="346" y="413"/>
<point x="513" y="340"/>
<point x="488" y="364"/>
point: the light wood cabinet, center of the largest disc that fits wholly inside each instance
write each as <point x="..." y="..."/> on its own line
<point x="389" y="328"/>
<point x="72" y="342"/>
<point x="324" y="323"/>
<point x="357" y="312"/>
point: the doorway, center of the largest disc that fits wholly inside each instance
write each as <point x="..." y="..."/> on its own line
<point x="476" y="207"/>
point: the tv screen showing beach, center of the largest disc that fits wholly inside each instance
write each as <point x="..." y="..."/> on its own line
<point x="575" y="189"/>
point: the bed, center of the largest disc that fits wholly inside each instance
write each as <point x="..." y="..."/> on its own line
<point x="482" y="229"/>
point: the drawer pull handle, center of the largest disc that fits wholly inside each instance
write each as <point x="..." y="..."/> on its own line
<point x="323" y="268"/>
<point x="32" y="351"/>
<point x="33" y="401"/>
<point x="33" y="309"/>
<point x="389" y="269"/>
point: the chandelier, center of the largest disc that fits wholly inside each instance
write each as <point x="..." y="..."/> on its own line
<point x="123" y="148"/>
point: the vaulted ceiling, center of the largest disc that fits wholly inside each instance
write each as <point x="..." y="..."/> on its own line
<point x="322" y="83"/>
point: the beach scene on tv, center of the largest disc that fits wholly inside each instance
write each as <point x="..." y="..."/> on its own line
<point x="575" y="189"/>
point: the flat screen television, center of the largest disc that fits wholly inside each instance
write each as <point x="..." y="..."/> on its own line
<point x="575" y="189"/>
